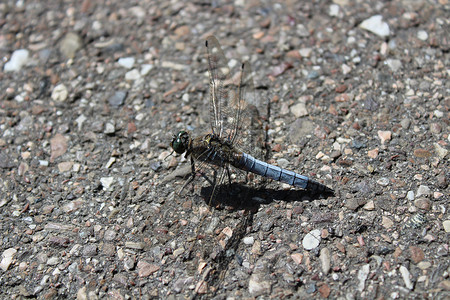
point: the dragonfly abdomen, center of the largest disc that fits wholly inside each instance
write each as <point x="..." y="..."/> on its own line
<point x="256" y="166"/>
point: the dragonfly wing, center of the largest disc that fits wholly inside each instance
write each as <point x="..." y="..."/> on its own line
<point x="234" y="113"/>
<point x="218" y="77"/>
<point x="247" y="132"/>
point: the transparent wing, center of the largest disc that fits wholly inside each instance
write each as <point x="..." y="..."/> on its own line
<point x="247" y="132"/>
<point x="233" y="105"/>
<point x="218" y="76"/>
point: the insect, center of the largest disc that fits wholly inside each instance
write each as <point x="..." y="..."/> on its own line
<point x="232" y="120"/>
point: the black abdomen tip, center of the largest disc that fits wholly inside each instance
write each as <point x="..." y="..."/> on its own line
<point x="316" y="187"/>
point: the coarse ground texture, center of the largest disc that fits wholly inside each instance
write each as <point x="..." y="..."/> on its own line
<point x="89" y="194"/>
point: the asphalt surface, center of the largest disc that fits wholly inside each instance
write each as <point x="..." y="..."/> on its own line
<point x="352" y="94"/>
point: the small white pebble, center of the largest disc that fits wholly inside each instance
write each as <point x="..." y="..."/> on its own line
<point x="422" y="35"/>
<point x="249" y="240"/>
<point x="126" y="62"/>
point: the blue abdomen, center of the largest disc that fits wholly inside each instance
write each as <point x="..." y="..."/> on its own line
<point x="256" y="166"/>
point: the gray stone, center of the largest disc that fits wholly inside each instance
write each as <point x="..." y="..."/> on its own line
<point x="423" y="190"/>
<point x="257" y="286"/>
<point x="90" y="250"/>
<point x="406" y="277"/>
<point x="362" y="276"/>
<point x="70" y="44"/>
<point x="325" y="260"/>
<point x="118" y="98"/>
<point x="110" y="235"/>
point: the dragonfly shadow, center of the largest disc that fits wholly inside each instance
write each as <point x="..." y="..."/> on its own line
<point x="239" y="196"/>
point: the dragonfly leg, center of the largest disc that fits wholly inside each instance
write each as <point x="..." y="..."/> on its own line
<point x="192" y="166"/>
<point x="229" y="176"/>
<point x="207" y="179"/>
<point x="216" y="185"/>
<point x="191" y="176"/>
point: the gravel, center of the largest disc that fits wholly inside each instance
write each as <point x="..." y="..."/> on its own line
<point x="354" y="95"/>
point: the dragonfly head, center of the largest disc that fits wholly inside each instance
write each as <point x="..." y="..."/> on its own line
<point x="180" y="142"/>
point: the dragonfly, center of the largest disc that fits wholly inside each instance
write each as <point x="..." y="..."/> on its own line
<point x="232" y="141"/>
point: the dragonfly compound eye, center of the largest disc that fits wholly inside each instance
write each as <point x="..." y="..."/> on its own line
<point x="179" y="141"/>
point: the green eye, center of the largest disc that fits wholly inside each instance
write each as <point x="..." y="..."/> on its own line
<point x="179" y="142"/>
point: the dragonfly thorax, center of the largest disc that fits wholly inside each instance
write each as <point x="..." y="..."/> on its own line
<point x="212" y="149"/>
<point x="180" y="142"/>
